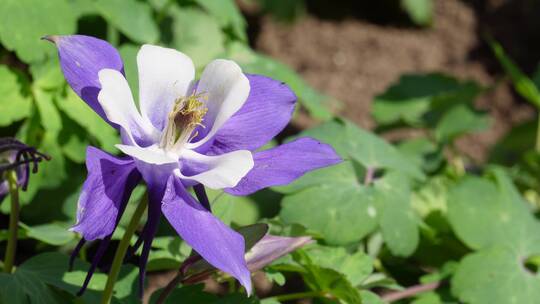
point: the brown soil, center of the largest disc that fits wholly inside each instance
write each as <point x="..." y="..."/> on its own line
<point x="354" y="60"/>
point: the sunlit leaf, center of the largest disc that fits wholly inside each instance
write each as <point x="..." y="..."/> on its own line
<point x="14" y="105"/>
<point x="197" y="34"/>
<point x="132" y="18"/>
<point x="24" y="22"/>
<point x="420" y="11"/>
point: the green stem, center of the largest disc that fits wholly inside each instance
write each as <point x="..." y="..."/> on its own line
<point x="13" y="222"/>
<point x="163" y="11"/>
<point x="300" y="296"/>
<point x="122" y="249"/>
<point x="113" y="35"/>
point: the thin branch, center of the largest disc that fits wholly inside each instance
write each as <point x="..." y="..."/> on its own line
<point x="368" y="178"/>
<point x="410" y="292"/>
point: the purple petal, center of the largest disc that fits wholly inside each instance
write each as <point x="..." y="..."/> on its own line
<point x="267" y="111"/>
<point x="103" y="245"/>
<point x="3" y="190"/>
<point x="271" y="248"/>
<point x="283" y="164"/>
<point x="218" y="244"/>
<point x="81" y="59"/>
<point x="105" y="193"/>
<point x="155" y="196"/>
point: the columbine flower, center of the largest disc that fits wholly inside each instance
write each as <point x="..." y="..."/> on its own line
<point x="14" y="155"/>
<point x="187" y="134"/>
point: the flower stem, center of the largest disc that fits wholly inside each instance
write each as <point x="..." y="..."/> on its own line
<point x="122" y="249"/>
<point x="13" y="222"/>
<point x="301" y="295"/>
<point x="113" y="35"/>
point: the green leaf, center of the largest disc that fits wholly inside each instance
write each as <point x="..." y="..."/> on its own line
<point x="81" y="113"/>
<point x="132" y="18"/>
<point x="396" y="218"/>
<point x="420" y="11"/>
<point x="490" y="215"/>
<point x="197" y="34"/>
<point x="496" y="275"/>
<point x="373" y="152"/>
<point x="251" y="62"/>
<point x="13" y="104"/>
<point x="24" y="22"/>
<point x="47" y="75"/>
<point x="365" y="147"/>
<point x="333" y="203"/>
<point x="327" y="280"/>
<point x="74" y="140"/>
<point x="523" y="84"/>
<point x="53" y="234"/>
<point x="51" y="173"/>
<point x="240" y="210"/>
<point x="31" y="280"/>
<point x="356" y="267"/>
<point x="128" y="52"/>
<point x="428" y="298"/>
<point x="419" y="99"/>
<point x="25" y="289"/>
<point x="422" y="152"/>
<point x="275" y="276"/>
<point x="369" y="297"/>
<point x="342" y="211"/>
<point x="458" y="121"/>
<point x="227" y="14"/>
<point x="484" y="213"/>
<point x="515" y="143"/>
<point x="49" y="116"/>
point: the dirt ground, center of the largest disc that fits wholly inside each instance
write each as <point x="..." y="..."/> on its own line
<point x="354" y="59"/>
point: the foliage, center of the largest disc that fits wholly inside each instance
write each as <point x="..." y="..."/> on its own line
<point x="392" y="215"/>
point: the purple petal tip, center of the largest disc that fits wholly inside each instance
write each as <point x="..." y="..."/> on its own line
<point x="52" y="38"/>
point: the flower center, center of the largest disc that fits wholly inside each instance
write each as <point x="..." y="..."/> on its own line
<point x="187" y="113"/>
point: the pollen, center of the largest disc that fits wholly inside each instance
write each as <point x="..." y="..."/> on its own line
<point x="188" y="113"/>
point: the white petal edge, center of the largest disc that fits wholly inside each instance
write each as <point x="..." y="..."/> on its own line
<point x="164" y="76"/>
<point x="226" y="170"/>
<point x="117" y="101"/>
<point x="150" y="155"/>
<point x="226" y="89"/>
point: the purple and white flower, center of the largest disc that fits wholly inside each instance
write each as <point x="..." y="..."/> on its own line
<point x="19" y="157"/>
<point x="186" y="133"/>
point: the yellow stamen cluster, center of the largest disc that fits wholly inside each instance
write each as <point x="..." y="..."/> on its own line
<point x="188" y="113"/>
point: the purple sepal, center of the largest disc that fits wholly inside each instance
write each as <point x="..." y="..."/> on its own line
<point x="218" y="244"/>
<point x="271" y="248"/>
<point x="285" y="163"/>
<point x="4" y="190"/>
<point x="105" y="193"/>
<point x="81" y="59"/>
<point x="267" y="111"/>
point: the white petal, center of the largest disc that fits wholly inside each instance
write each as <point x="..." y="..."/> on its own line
<point x="149" y="155"/>
<point x="164" y="76"/>
<point x="117" y="102"/>
<point x="226" y="89"/>
<point x="224" y="170"/>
